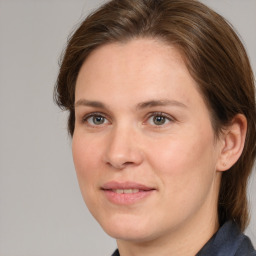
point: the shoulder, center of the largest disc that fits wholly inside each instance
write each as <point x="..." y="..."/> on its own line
<point x="245" y="247"/>
<point x="116" y="253"/>
<point x="228" y="241"/>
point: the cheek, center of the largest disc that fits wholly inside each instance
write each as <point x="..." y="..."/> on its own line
<point x="86" y="159"/>
<point x="187" y="174"/>
<point x="85" y="153"/>
<point x="186" y="160"/>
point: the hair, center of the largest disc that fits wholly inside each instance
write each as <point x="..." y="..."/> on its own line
<point x="215" y="58"/>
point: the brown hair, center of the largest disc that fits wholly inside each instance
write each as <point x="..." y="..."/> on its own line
<point x="215" y="58"/>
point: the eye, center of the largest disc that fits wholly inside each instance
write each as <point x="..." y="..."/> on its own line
<point x="159" y="119"/>
<point x="95" y="119"/>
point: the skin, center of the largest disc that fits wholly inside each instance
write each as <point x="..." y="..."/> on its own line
<point x="126" y="86"/>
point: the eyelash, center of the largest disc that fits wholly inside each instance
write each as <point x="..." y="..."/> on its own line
<point x="159" y="114"/>
<point x="94" y="114"/>
<point x="150" y="115"/>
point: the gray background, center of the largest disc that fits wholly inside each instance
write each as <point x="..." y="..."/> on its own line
<point x="41" y="210"/>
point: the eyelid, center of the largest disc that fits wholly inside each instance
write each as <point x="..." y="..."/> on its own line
<point x="92" y="114"/>
<point x="157" y="113"/>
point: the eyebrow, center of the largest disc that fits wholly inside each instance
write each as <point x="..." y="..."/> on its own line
<point x="142" y="105"/>
<point x="157" y="103"/>
<point x="89" y="103"/>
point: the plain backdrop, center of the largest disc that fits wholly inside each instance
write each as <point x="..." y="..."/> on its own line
<point x="41" y="210"/>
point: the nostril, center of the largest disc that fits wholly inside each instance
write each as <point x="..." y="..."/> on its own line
<point x="119" y="166"/>
<point x="128" y="163"/>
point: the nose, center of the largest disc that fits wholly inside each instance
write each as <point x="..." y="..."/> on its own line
<point x="123" y="148"/>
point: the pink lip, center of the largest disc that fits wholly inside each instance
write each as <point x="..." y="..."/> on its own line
<point x="125" y="185"/>
<point x="123" y="198"/>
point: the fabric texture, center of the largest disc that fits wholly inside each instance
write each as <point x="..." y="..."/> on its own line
<point x="227" y="241"/>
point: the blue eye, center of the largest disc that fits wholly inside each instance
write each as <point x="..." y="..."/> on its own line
<point x="159" y="119"/>
<point x="96" y="120"/>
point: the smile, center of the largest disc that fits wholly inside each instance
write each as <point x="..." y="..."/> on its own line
<point x="126" y="193"/>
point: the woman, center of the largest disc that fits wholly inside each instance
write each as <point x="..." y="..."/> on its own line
<point x="161" y="104"/>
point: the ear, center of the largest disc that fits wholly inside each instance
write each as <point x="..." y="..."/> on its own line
<point x="232" y="143"/>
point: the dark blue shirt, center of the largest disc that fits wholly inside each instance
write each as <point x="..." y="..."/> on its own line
<point x="228" y="241"/>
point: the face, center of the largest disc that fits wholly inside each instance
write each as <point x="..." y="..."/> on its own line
<point x="144" y="149"/>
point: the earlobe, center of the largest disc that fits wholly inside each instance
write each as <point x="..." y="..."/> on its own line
<point x="233" y="139"/>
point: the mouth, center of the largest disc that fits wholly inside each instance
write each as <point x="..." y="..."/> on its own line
<point x="126" y="193"/>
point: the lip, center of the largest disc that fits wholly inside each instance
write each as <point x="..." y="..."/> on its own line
<point x="137" y="192"/>
<point x="125" y="185"/>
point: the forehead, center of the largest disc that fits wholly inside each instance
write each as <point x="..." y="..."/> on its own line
<point x="145" y="60"/>
<point x="139" y="49"/>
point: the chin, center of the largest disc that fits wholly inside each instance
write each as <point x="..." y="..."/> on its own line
<point x="129" y="229"/>
<point x="130" y="235"/>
